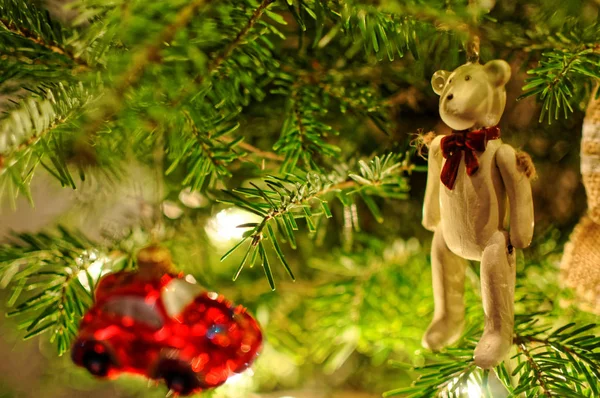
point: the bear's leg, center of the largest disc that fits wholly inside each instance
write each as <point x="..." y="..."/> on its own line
<point x="497" y="291"/>
<point x="448" y="272"/>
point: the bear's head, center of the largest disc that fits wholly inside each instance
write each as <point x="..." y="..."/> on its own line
<point x="473" y="95"/>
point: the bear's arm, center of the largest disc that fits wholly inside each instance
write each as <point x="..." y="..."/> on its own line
<point x="518" y="189"/>
<point x="431" y="207"/>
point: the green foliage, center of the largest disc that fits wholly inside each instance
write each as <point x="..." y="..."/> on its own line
<point x="45" y="274"/>
<point x="380" y="176"/>
<point x="448" y="376"/>
<point x="233" y="58"/>
<point x="560" y="363"/>
<point x="382" y="34"/>
<point x="313" y="99"/>
<point x="206" y="154"/>
<point x="359" y="305"/>
<point x="554" y="80"/>
<point x="36" y="116"/>
<point x="38" y="67"/>
<point x="302" y="133"/>
<point x="230" y="80"/>
<point x="565" y="49"/>
<point x="20" y="24"/>
<point x="357" y="99"/>
<point x="285" y="200"/>
<point x="32" y="134"/>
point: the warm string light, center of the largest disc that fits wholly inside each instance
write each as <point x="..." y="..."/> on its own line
<point x="188" y="198"/>
<point x="238" y="385"/>
<point x="223" y="227"/>
<point x="95" y="269"/>
<point x="470" y="387"/>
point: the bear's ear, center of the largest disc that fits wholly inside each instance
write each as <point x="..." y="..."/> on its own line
<point x="438" y="81"/>
<point x="498" y="72"/>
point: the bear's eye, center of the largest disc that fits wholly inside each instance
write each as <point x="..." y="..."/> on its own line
<point x="467" y="78"/>
<point x="450" y="81"/>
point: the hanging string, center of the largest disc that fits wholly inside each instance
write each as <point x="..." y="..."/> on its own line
<point x="154" y="261"/>
<point x="159" y="158"/>
<point x="472" y="46"/>
<point x="473" y="49"/>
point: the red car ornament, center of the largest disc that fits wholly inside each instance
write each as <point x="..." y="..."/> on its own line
<point x="165" y="328"/>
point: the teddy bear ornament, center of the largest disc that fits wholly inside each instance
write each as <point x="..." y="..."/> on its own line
<point x="473" y="180"/>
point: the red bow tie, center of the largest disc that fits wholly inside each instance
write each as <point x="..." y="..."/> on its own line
<point x="467" y="142"/>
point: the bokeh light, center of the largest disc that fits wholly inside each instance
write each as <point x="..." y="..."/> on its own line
<point x="223" y="227"/>
<point x="95" y="269"/>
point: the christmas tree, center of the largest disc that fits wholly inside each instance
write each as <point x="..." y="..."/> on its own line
<point x="277" y="150"/>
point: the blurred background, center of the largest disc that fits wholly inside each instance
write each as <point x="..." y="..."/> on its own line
<point x="362" y="298"/>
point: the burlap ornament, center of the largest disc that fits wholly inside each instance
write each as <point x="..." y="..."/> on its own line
<point x="590" y="157"/>
<point x="581" y="260"/>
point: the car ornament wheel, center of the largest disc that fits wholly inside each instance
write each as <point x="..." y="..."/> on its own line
<point x="178" y="376"/>
<point x="96" y="363"/>
<point x="180" y="383"/>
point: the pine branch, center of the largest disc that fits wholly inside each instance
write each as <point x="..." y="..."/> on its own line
<point x="230" y="78"/>
<point x="381" y="33"/>
<point x="206" y="153"/>
<point x="363" y="101"/>
<point x="450" y="376"/>
<point x="205" y="149"/>
<point x="302" y="133"/>
<point x="35" y="26"/>
<point x="312" y="95"/>
<point x="562" y="363"/>
<point x="553" y="79"/>
<point x="220" y="58"/>
<point x="38" y="115"/>
<point x="259" y="152"/>
<point x="251" y="149"/>
<point x="539" y="376"/>
<point x="284" y="196"/>
<point x="50" y="282"/>
<point x="28" y="35"/>
<point x="565" y="361"/>
<point x="544" y="33"/>
<point x="216" y="62"/>
<point x="28" y="131"/>
<point x="287" y="199"/>
<point x="345" y="308"/>
<point x="18" y="73"/>
<point x="146" y="56"/>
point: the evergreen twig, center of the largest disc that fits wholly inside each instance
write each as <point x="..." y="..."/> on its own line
<point x="28" y="131"/>
<point x="302" y="132"/>
<point x="46" y="273"/>
<point x="207" y="153"/>
<point x="561" y="363"/>
<point x="218" y="60"/>
<point x="538" y="374"/>
<point x="147" y="55"/>
<point x="35" y="26"/>
<point x="553" y="79"/>
<point x="287" y="199"/>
